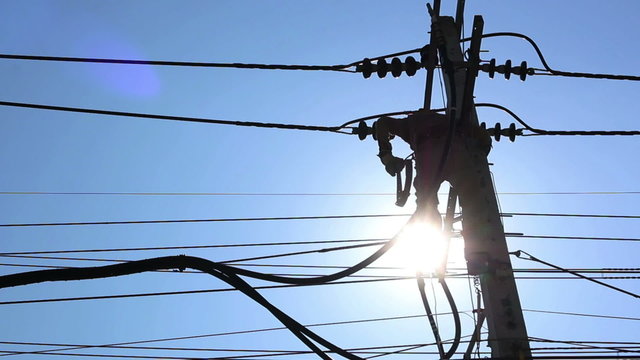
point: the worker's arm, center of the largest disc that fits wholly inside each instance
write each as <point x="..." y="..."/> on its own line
<point x="385" y="128"/>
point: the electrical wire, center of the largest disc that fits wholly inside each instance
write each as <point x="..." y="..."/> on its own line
<point x="129" y="222"/>
<point x="76" y="347"/>
<point x="430" y="317"/>
<point x="518" y="254"/>
<point x="540" y="132"/>
<point x="340" y="68"/>
<point x="610" y="317"/>
<point x="292" y="194"/>
<point x="117" y="345"/>
<point x="165" y="293"/>
<point x="557" y="72"/>
<point x="334" y="129"/>
<point x="222" y="272"/>
<point x="590" y="238"/>
<point x="203" y="220"/>
<point x="187" y="247"/>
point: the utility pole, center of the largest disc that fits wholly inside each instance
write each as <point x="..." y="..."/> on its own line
<point x="485" y="243"/>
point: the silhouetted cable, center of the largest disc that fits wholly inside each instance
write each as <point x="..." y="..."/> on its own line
<point x="260" y="352"/>
<point x="115" y="193"/>
<point x="165" y="293"/>
<point x="558" y="72"/>
<point x="530" y="257"/>
<point x="201" y="64"/>
<point x="590" y="238"/>
<point x="342" y="68"/>
<point x="611" y="216"/>
<point x="204" y="220"/>
<point x="334" y="129"/>
<point x="241" y="332"/>
<point x="582" y="346"/>
<point x="188" y="247"/>
<point x="608" y="216"/>
<point x="225" y="273"/>
<point x="610" y="317"/>
<point x="541" y="132"/>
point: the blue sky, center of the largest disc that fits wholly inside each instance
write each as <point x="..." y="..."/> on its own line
<point x="64" y="152"/>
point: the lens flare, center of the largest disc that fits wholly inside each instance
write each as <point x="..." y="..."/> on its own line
<point x="421" y="247"/>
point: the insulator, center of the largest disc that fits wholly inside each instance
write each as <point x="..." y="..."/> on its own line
<point x="411" y="66"/>
<point x="396" y="67"/>
<point x="512" y="130"/>
<point x="507" y="69"/>
<point x="382" y="68"/>
<point x="496" y="132"/>
<point x="492" y="68"/>
<point x="483" y="126"/>
<point x="362" y="130"/>
<point x="523" y="71"/>
<point x="366" y="68"/>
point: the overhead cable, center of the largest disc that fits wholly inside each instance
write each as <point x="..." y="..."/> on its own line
<point x="187" y="247"/>
<point x="129" y="222"/>
<point x="554" y="72"/>
<point x="201" y="64"/>
<point x="530" y="257"/>
<point x="203" y="220"/>
<point x="172" y="117"/>
<point x="241" y="332"/>
<point x="165" y="293"/>
<point x="118" y="193"/>
<point x="224" y="273"/>
<point x="540" y="132"/>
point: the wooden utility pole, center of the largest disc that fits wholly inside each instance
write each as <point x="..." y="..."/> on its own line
<point x="468" y="171"/>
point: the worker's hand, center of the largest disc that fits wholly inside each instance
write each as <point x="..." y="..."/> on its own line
<point x="392" y="164"/>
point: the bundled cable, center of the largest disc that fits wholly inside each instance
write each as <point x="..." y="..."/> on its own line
<point x="226" y="273"/>
<point x="180" y="262"/>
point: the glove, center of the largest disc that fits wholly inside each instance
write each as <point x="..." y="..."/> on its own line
<point x="392" y="164"/>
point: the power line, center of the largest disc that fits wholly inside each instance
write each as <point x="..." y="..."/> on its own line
<point x="541" y="132"/>
<point x="173" y="118"/>
<point x="241" y="332"/>
<point x="311" y="242"/>
<point x="505" y="214"/>
<point x="589" y="238"/>
<point x="557" y="72"/>
<point x="340" y="67"/>
<point x="183" y="247"/>
<point x="207" y="220"/>
<point x="611" y="317"/>
<point x="116" y="193"/>
<point x="530" y="257"/>
<point x="120" y="296"/>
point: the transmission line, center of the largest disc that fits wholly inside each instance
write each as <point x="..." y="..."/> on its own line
<point x="340" y="67"/>
<point x="504" y="214"/>
<point x="540" y="132"/>
<point x="530" y="257"/>
<point x="116" y="193"/>
<point x="551" y="71"/>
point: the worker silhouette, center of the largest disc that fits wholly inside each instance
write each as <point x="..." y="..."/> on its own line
<point x="426" y="132"/>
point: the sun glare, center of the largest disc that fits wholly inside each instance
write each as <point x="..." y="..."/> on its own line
<point x="420" y="247"/>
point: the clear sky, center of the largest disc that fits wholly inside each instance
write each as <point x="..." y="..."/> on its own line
<point x="44" y="151"/>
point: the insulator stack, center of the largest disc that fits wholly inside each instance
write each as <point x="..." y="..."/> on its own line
<point x="497" y="131"/>
<point x="507" y="69"/>
<point x="410" y="66"/>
